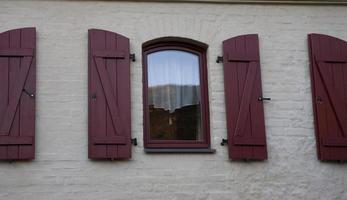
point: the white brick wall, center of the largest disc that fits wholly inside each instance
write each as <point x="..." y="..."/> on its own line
<point x="61" y="169"/>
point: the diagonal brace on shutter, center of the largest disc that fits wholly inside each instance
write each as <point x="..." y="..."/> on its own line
<point x="335" y="100"/>
<point x="110" y="96"/>
<point x="244" y="110"/>
<point x="18" y="89"/>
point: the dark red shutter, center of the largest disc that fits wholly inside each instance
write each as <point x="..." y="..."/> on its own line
<point x="109" y="96"/>
<point x="328" y="56"/>
<point x="17" y="94"/>
<point x="245" y="113"/>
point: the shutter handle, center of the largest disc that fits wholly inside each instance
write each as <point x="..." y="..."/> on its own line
<point x="94" y="97"/>
<point x="264" y="99"/>
<point x="31" y="95"/>
<point x="319" y="99"/>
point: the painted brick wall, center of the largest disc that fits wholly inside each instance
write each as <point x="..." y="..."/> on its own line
<point x="62" y="170"/>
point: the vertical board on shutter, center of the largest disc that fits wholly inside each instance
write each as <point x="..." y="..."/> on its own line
<point x="109" y="124"/>
<point x="242" y="84"/>
<point x="17" y="94"/>
<point x="328" y="67"/>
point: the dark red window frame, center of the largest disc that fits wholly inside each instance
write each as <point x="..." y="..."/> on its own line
<point x="191" y="47"/>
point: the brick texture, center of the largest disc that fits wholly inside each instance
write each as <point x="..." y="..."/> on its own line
<point x="62" y="170"/>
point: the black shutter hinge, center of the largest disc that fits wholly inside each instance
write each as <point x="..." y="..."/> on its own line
<point x="132" y="57"/>
<point x="224" y="141"/>
<point x="31" y="95"/>
<point x="264" y="99"/>
<point x="134" y="141"/>
<point x="219" y="59"/>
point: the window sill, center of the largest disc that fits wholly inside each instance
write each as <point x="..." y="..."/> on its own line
<point x="181" y="150"/>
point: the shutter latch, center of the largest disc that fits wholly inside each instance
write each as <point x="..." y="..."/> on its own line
<point x="132" y="57"/>
<point x="264" y="99"/>
<point x="134" y="141"/>
<point x="224" y="141"/>
<point x="219" y="59"/>
<point x="94" y="97"/>
<point x="31" y="95"/>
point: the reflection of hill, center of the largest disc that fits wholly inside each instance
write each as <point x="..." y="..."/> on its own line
<point x="172" y="96"/>
<point x="182" y="124"/>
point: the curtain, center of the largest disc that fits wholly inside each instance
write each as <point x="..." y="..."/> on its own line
<point x="173" y="79"/>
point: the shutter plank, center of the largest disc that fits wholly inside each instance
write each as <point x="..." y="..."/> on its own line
<point x="245" y="114"/>
<point x="123" y="100"/>
<point x="4" y="86"/>
<point x="110" y="66"/>
<point x="97" y="108"/>
<point x="27" y="103"/>
<point x="11" y="120"/>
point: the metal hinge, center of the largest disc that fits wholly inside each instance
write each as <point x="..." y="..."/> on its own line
<point x="219" y="59"/>
<point x="134" y="141"/>
<point x="132" y="57"/>
<point x="264" y="99"/>
<point x="224" y="141"/>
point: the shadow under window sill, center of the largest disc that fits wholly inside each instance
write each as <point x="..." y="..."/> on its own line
<point x="180" y="150"/>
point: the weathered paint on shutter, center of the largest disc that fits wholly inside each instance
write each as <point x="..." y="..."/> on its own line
<point x="17" y="94"/>
<point x="109" y="96"/>
<point x="328" y="56"/>
<point x="245" y="113"/>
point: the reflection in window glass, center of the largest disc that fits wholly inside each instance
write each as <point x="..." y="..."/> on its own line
<point x="174" y="95"/>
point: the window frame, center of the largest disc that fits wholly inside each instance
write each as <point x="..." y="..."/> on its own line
<point x="191" y="47"/>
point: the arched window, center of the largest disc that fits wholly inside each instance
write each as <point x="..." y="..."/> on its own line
<point x="175" y="94"/>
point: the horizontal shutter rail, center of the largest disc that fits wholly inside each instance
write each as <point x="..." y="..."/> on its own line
<point x="331" y="59"/>
<point x="16" y="52"/>
<point x="249" y="141"/>
<point x="335" y="142"/>
<point x="110" y="140"/>
<point x="16" y="140"/>
<point x="242" y="58"/>
<point x="109" y="54"/>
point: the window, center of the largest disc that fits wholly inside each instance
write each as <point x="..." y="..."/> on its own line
<point x="176" y="113"/>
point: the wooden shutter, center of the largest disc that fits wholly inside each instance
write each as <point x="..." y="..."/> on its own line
<point x="109" y="96"/>
<point x="17" y="94"/>
<point x="328" y="56"/>
<point x="243" y="93"/>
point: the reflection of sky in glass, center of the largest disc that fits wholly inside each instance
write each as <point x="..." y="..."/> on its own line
<point x="173" y="67"/>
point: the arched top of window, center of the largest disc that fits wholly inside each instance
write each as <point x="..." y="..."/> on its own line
<point x="175" y="41"/>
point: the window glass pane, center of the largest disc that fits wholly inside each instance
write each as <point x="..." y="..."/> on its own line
<point x="174" y="95"/>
